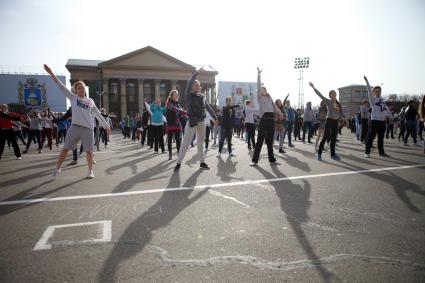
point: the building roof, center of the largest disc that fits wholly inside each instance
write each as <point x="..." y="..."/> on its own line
<point x="352" y="86"/>
<point x="100" y="63"/>
<point x="83" y="63"/>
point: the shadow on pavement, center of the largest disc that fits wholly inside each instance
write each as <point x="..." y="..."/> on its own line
<point x="139" y="233"/>
<point x="296" y="213"/>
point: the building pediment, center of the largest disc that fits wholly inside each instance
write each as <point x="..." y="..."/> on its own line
<point x="147" y="57"/>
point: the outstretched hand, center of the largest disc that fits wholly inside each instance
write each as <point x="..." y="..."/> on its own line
<point x="311" y="84"/>
<point x="259" y="70"/>
<point x="365" y="78"/>
<point x="109" y="131"/>
<point x="48" y="70"/>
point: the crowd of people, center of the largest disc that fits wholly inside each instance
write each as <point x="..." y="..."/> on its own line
<point x="257" y="122"/>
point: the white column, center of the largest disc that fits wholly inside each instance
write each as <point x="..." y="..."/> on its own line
<point x="105" y="95"/>
<point x="141" y="96"/>
<point x="123" y="84"/>
<point x="157" y="89"/>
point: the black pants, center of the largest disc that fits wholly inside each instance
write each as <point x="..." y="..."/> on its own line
<point x="158" y="136"/>
<point x="9" y="134"/>
<point x="421" y="129"/>
<point x="31" y="135"/>
<point x="365" y="129"/>
<point x="250" y="132"/>
<point x="376" y="127"/>
<point x="331" y="131"/>
<point x="297" y="130"/>
<point x="307" y="126"/>
<point x="177" y="137"/>
<point x="226" y="133"/>
<point x="402" y="130"/>
<point x="18" y="135"/>
<point x="265" y="132"/>
<point x="207" y="136"/>
<point x="104" y="136"/>
<point x="390" y="130"/>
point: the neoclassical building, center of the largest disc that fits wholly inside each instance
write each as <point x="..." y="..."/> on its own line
<point x="122" y="84"/>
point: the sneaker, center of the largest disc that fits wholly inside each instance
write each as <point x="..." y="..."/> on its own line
<point x="291" y="145"/>
<point x="155" y="152"/>
<point x="18" y="158"/>
<point x="232" y="154"/>
<point x="281" y="150"/>
<point x="273" y="163"/>
<point x="203" y="165"/>
<point x="367" y="155"/>
<point x="253" y="164"/>
<point x="218" y="154"/>
<point x="384" y="155"/>
<point x="73" y="162"/>
<point x="405" y="144"/>
<point x="90" y="175"/>
<point x="335" y="157"/>
<point x="54" y="174"/>
<point x="177" y="167"/>
<point x="40" y="151"/>
<point x="94" y="161"/>
<point x="25" y="151"/>
<point x="319" y="156"/>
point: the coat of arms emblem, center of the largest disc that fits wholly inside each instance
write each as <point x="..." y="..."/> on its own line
<point x="32" y="94"/>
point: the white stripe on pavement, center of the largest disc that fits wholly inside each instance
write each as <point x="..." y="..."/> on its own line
<point x="199" y="187"/>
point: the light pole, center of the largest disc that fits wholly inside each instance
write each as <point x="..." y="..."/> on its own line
<point x="301" y="64"/>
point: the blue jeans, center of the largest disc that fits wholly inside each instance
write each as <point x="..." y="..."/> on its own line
<point x="288" y="126"/>
<point x="307" y="126"/>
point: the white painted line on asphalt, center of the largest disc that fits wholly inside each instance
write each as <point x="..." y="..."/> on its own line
<point x="227" y="197"/>
<point x="44" y="244"/>
<point x="220" y="185"/>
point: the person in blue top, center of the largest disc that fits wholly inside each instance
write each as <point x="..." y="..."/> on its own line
<point x="290" y="118"/>
<point x="157" y="124"/>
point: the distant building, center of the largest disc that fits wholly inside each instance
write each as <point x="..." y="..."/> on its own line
<point x="239" y="91"/>
<point x="32" y="90"/>
<point x="351" y="98"/>
<point x="126" y="81"/>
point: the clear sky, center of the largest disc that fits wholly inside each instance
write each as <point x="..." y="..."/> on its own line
<point x="384" y="39"/>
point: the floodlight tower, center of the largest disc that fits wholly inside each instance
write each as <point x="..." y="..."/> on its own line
<point x="301" y="64"/>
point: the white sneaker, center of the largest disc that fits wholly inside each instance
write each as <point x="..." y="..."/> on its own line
<point x="54" y="174"/>
<point x="94" y="161"/>
<point x="218" y="154"/>
<point x="18" y="158"/>
<point x="252" y="164"/>
<point x="367" y="155"/>
<point x="90" y="175"/>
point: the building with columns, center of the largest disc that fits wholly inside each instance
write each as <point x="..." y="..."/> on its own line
<point x="122" y="84"/>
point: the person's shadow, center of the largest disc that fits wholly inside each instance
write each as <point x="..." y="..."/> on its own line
<point x="295" y="202"/>
<point x="140" y="231"/>
<point x="226" y="169"/>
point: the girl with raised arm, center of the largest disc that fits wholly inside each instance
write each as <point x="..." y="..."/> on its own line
<point x="174" y="115"/>
<point x="333" y="116"/>
<point x="82" y="125"/>
<point x="196" y="107"/>
<point x="377" y="116"/>
<point x="267" y="112"/>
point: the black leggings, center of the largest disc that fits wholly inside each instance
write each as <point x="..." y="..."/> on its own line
<point x="177" y="136"/>
<point x="331" y="131"/>
<point x="225" y="134"/>
<point x="158" y="136"/>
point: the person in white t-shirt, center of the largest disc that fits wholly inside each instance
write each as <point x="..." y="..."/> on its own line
<point x="83" y="109"/>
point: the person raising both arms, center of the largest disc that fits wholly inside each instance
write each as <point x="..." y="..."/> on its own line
<point x="377" y="116"/>
<point x="267" y="112"/>
<point x="334" y="114"/>
<point x="82" y="125"/>
<point x="196" y="107"/>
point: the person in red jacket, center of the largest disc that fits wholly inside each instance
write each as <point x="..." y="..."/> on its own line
<point x="6" y="132"/>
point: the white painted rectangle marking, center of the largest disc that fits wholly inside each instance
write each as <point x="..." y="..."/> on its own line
<point x="44" y="244"/>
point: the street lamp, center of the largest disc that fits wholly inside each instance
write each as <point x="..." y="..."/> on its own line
<point x="301" y="64"/>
